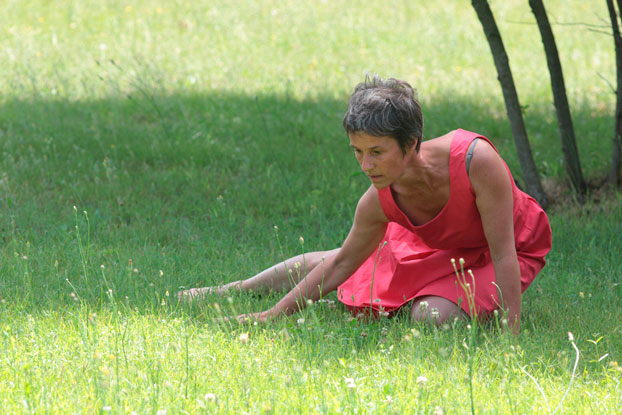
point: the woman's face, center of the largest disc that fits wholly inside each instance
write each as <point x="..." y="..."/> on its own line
<point x="380" y="158"/>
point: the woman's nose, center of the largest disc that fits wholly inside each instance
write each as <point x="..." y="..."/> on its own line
<point x="366" y="163"/>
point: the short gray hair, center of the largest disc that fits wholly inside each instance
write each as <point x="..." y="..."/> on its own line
<point x="385" y="107"/>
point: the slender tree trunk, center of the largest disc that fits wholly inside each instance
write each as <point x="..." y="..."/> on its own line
<point x="564" y="119"/>
<point x="615" y="174"/>
<point x="512" y="105"/>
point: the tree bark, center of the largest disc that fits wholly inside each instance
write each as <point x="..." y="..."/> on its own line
<point x="562" y="109"/>
<point x="512" y="105"/>
<point x="615" y="174"/>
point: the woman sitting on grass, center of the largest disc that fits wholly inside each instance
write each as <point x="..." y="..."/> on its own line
<point x="448" y="197"/>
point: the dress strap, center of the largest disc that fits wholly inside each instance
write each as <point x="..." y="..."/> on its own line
<point x="470" y="154"/>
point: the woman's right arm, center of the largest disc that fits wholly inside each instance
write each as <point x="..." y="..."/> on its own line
<point x="366" y="234"/>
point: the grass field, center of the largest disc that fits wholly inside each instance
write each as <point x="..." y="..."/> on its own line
<point x="148" y="146"/>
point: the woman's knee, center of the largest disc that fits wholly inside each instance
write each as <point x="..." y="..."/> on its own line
<point x="435" y="309"/>
<point x="313" y="259"/>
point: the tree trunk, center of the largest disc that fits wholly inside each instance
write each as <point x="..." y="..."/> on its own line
<point x="564" y="119"/>
<point x="512" y="105"/>
<point x="615" y="174"/>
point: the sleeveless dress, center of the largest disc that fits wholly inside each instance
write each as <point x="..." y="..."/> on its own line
<point x="415" y="261"/>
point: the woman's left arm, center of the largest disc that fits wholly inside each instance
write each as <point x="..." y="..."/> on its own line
<point x="493" y="196"/>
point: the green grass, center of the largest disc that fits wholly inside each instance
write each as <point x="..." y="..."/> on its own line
<point x="187" y="130"/>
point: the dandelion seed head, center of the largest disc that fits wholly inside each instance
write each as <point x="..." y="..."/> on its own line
<point x="350" y="383"/>
<point x="243" y="338"/>
<point x="300" y="321"/>
<point x="309" y="302"/>
<point x="422" y="380"/>
<point x="210" y="397"/>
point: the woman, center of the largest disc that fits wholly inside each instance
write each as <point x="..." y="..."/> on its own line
<point x="448" y="197"/>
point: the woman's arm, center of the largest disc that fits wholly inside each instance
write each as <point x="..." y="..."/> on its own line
<point x="366" y="234"/>
<point x="493" y="196"/>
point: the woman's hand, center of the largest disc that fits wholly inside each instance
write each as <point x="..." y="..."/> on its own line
<point x="261" y="317"/>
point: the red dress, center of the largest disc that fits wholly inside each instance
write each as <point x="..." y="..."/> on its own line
<point x="416" y="260"/>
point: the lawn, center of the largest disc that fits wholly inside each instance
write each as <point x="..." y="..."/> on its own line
<point x="150" y="146"/>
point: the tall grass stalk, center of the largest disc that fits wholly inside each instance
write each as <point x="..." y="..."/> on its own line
<point x="373" y="276"/>
<point x="469" y="289"/>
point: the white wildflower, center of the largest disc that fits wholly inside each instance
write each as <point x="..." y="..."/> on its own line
<point x="350" y="383"/>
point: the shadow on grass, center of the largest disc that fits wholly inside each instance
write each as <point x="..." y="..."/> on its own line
<point x="185" y="189"/>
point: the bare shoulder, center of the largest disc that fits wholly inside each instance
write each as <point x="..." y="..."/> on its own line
<point x="440" y="143"/>
<point x="487" y="167"/>
<point x="437" y="150"/>
<point x="369" y="207"/>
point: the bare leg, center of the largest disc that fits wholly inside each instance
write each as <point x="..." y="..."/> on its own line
<point x="435" y="309"/>
<point x="279" y="277"/>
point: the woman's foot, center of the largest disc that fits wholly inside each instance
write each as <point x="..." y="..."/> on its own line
<point x="202" y="292"/>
